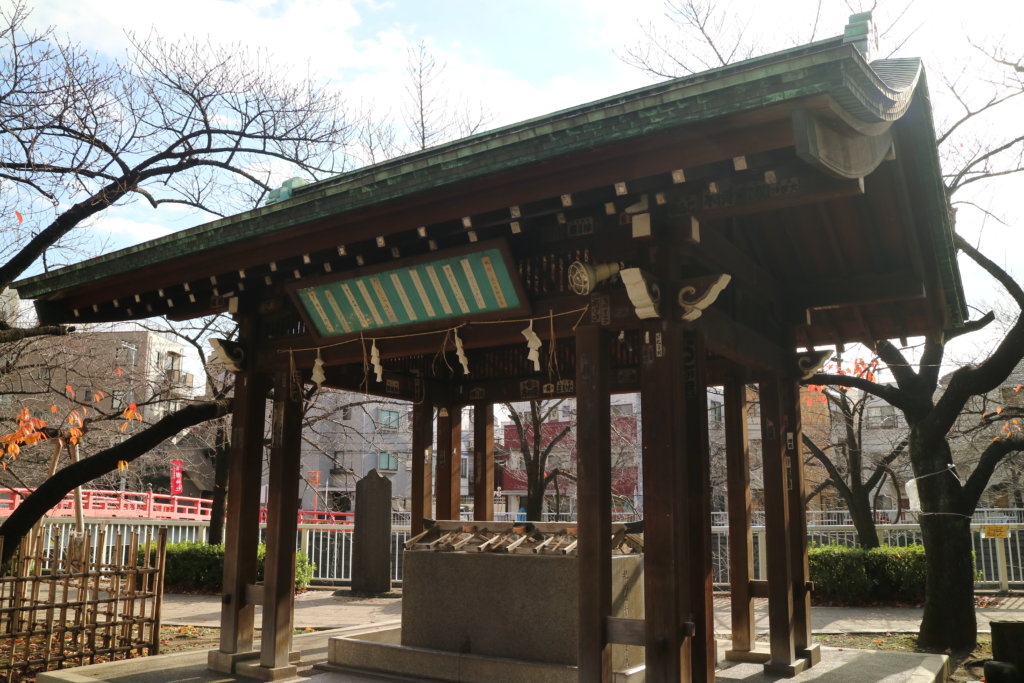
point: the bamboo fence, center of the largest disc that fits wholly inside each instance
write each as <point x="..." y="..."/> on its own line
<point x="72" y="605"/>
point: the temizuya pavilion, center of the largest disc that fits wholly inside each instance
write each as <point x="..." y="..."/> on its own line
<point x="710" y="230"/>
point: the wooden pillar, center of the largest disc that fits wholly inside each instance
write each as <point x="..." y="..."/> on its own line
<point x="242" y="526"/>
<point x="667" y="647"/>
<point x="483" y="461"/>
<point x="803" y="643"/>
<point x="282" y="520"/>
<point x="422" y="465"/>
<point x="697" y="473"/>
<point x="449" y="455"/>
<point x="783" y="659"/>
<point x="594" y="509"/>
<point x="741" y="538"/>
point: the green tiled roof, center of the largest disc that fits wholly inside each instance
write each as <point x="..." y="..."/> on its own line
<point x="870" y="93"/>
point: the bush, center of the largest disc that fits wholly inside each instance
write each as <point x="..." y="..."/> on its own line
<point x="899" y="573"/>
<point x="195" y="566"/>
<point x="838" y="573"/>
<point x="857" y="576"/>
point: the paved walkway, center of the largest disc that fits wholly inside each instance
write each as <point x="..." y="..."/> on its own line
<point x="324" y="609"/>
<point x="337" y="609"/>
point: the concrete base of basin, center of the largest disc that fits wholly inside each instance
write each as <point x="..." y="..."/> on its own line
<point x="510" y="606"/>
<point x="382" y="651"/>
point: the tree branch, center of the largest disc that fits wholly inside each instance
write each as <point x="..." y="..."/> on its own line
<point x="990" y="457"/>
<point x="891" y="395"/>
<point x="14" y="334"/>
<point x="53" y="490"/>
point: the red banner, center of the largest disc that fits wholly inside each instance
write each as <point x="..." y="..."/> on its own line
<point x="176" y="478"/>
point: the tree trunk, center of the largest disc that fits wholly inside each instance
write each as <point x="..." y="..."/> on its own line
<point x="535" y="502"/>
<point x="220" y="489"/>
<point x="863" y="521"/>
<point x="53" y="490"/>
<point x="949" y="621"/>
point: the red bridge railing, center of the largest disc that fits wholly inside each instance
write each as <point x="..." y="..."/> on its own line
<point x="148" y="505"/>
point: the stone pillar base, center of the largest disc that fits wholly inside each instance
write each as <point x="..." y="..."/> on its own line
<point x="756" y="656"/>
<point x="224" y="662"/>
<point x="789" y="670"/>
<point x="253" y="669"/>
<point x="811" y="654"/>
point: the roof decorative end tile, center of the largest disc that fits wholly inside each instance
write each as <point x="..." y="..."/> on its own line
<point x="860" y="32"/>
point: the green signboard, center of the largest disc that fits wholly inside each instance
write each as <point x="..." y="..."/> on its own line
<point x="463" y="286"/>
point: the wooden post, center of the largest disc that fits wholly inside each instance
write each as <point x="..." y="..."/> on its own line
<point x="422" y="452"/>
<point x="449" y="455"/>
<point x="741" y="538"/>
<point x="783" y="659"/>
<point x="667" y="648"/>
<point x="593" y="490"/>
<point x="805" y="647"/>
<point x="483" y="461"/>
<point x="282" y="521"/>
<point x="697" y="473"/>
<point x="242" y="525"/>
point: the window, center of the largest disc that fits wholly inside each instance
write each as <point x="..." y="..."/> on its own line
<point x="346" y="413"/>
<point x="387" y="462"/>
<point x="347" y="462"/>
<point x="127" y="354"/>
<point x="716" y="412"/>
<point x="388" y="419"/>
<point x="1012" y="396"/>
<point x="622" y="410"/>
<point x="882" y="417"/>
<point x="172" y="361"/>
<point x="119" y="399"/>
<point x="45" y="372"/>
<point x="464" y="469"/>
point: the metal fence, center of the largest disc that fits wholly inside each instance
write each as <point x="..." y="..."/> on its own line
<point x="999" y="561"/>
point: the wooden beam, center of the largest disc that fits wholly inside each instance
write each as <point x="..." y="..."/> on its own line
<point x="739" y="343"/>
<point x="282" y="523"/>
<point x="732" y="195"/>
<point x="593" y="487"/>
<point x="396" y="385"/>
<point x="422" y="464"/>
<point x="666" y="574"/>
<point x="483" y="461"/>
<point x="625" y="631"/>
<point x="741" y="537"/>
<point x="242" y="529"/>
<point x="449" y="455"/>
<point x="877" y="288"/>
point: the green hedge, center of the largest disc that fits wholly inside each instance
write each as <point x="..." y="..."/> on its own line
<point x="200" y="567"/>
<point x="859" y="576"/>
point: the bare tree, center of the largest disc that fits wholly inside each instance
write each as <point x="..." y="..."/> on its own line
<point x="539" y="435"/>
<point x="854" y="471"/>
<point x="188" y="123"/>
<point x="974" y="148"/>
<point x="433" y="114"/>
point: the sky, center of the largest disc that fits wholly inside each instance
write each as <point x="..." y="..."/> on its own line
<point x="524" y="58"/>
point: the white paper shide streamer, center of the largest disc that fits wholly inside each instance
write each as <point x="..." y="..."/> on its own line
<point x="378" y="369"/>
<point x="461" y="353"/>
<point x="533" y="343"/>
<point x="318" y="375"/>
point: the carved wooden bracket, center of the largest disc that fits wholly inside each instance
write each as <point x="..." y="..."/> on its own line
<point x="698" y="293"/>
<point x="809" y="362"/>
